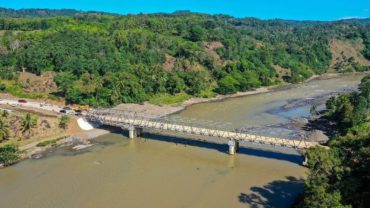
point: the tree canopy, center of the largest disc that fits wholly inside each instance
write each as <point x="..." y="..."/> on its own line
<point x="104" y="59"/>
<point x="339" y="176"/>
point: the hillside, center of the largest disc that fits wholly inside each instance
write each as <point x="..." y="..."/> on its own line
<point x="347" y="54"/>
<point x="105" y="59"/>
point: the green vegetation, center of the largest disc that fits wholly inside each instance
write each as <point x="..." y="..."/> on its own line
<point x="29" y="122"/>
<point x="4" y="113"/>
<point x="2" y="87"/>
<point x="4" y="130"/>
<point x="9" y="154"/>
<point x="63" y="122"/>
<point x="366" y="39"/>
<point x="52" y="142"/>
<point x="169" y="99"/>
<point x="14" y="88"/>
<point x="339" y="176"/>
<point x="104" y="59"/>
<point x="17" y="91"/>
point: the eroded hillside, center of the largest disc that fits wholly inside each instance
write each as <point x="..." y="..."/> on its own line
<point x="347" y="53"/>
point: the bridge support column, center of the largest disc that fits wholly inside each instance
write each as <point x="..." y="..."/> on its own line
<point x="232" y="146"/>
<point x="139" y="131"/>
<point x="236" y="145"/>
<point x="131" y="132"/>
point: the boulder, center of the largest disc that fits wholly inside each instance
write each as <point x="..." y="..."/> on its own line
<point x="317" y="136"/>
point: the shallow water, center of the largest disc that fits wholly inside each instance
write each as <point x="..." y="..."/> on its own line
<point x="266" y="109"/>
<point x="173" y="170"/>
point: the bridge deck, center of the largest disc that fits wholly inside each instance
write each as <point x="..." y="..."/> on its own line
<point x="117" y="119"/>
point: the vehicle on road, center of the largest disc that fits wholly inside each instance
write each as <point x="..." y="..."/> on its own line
<point x="78" y="112"/>
<point x="67" y="108"/>
<point x="22" y="101"/>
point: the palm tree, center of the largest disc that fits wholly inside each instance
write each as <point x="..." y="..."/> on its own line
<point x="28" y="123"/>
<point x="4" y="130"/>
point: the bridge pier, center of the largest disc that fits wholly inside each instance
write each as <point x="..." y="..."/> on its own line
<point x="233" y="146"/>
<point x="134" y="132"/>
<point x="131" y="132"/>
<point x="139" y="131"/>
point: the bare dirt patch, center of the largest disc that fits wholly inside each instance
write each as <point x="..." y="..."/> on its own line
<point x="345" y="51"/>
<point x="46" y="126"/>
<point x="282" y="72"/>
<point x="150" y="109"/>
<point x="210" y="47"/>
<point x="169" y="63"/>
<point x="260" y="44"/>
<point x="38" y="84"/>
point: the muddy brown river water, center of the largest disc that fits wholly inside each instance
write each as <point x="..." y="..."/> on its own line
<point x="173" y="170"/>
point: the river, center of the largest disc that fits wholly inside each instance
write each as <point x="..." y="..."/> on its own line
<point x="174" y="171"/>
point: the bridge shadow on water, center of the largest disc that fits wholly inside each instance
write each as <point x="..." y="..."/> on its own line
<point x="279" y="193"/>
<point x="223" y="147"/>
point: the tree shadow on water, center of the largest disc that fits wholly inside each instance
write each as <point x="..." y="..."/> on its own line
<point x="279" y="193"/>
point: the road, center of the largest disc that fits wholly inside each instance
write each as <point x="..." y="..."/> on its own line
<point x="32" y="104"/>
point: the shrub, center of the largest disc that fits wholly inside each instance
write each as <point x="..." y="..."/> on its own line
<point x="63" y="122"/>
<point x="9" y="154"/>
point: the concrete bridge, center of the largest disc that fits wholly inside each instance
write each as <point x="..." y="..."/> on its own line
<point x="135" y="124"/>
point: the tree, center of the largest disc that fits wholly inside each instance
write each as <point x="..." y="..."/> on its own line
<point x="4" y="130"/>
<point x="325" y="168"/>
<point x="2" y="87"/>
<point x="196" y="33"/>
<point x="9" y="154"/>
<point x="175" y="84"/>
<point x="28" y="123"/>
<point x="63" y="122"/>
<point x="227" y="85"/>
<point x="88" y="52"/>
<point x="364" y="87"/>
<point x="196" y="82"/>
<point x="339" y="175"/>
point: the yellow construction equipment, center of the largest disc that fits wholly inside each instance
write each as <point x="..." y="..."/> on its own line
<point x="81" y="107"/>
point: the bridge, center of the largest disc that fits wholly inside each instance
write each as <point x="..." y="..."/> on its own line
<point x="135" y="123"/>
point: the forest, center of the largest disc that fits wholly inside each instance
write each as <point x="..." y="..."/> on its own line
<point x="339" y="175"/>
<point x="102" y="59"/>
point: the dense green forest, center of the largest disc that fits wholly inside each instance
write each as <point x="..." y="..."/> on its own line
<point x="106" y="59"/>
<point x="340" y="176"/>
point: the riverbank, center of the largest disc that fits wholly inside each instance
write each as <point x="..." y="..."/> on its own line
<point x="121" y="168"/>
<point x="77" y="141"/>
<point x="46" y="134"/>
<point x="77" y="137"/>
<point x="74" y="131"/>
<point x="165" y="110"/>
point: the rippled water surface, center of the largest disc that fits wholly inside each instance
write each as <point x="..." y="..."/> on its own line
<point x="172" y="170"/>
